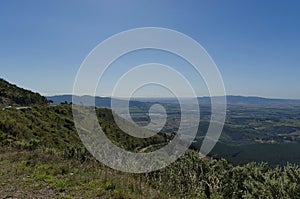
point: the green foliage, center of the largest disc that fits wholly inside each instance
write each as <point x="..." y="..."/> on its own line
<point x="121" y="138"/>
<point x="38" y="174"/>
<point x="12" y="95"/>
<point x="39" y="126"/>
<point x="192" y="177"/>
<point x="109" y="186"/>
<point x="58" y="157"/>
<point x="54" y="159"/>
<point x="52" y="127"/>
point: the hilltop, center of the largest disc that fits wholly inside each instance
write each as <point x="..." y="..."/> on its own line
<point x="12" y="95"/>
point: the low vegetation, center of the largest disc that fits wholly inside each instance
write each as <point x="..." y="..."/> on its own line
<point x="13" y="95"/>
<point x="41" y="156"/>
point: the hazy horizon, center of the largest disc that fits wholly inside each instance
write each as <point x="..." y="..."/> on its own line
<point x="204" y="96"/>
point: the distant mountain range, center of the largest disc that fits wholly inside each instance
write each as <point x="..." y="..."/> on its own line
<point x="11" y="94"/>
<point x="140" y="102"/>
<point x="259" y="100"/>
<point x="101" y="102"/>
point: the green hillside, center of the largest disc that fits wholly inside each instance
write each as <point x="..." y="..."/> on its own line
<point x="12" y="95"/>
<point x="41" y="156"/>
<point x="53" y="127"/>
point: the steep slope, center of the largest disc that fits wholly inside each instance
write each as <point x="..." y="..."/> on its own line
<point x="12" y="95"/>
<point x="53" y="127"/>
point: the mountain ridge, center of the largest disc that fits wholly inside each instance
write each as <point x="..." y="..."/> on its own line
<point x="104" y="102"/>
<point x="12" y="95"/>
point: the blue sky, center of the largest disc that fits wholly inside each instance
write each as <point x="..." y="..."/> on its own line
<point x="255" y="44"/>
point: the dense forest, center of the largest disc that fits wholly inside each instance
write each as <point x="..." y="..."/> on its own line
<point x="41" y="156"/>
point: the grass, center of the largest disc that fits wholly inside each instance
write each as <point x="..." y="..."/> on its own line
<point x="38" y="174"/>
